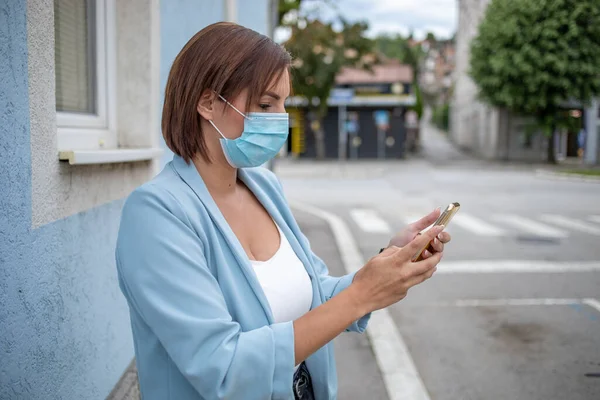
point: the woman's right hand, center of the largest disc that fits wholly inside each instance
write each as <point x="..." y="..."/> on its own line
<point x="386" y="278"/>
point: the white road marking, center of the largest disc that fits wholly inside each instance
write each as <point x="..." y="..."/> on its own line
<point x="515" y="266"/>
<point x="507" y="302"/>
<point x="595" y="304"/>
<point x="476" y="225"/>
<point x="592" y="303"/>
<point x="400" y="376"/>
<point x="531" y="226"/>
<point x="571" y="223"/>
<point x="594" y="218"/>
<point x="369" y="221"/>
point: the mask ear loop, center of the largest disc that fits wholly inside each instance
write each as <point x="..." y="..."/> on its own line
<point x="217" y="129"/>
<point x="234" y="107"/>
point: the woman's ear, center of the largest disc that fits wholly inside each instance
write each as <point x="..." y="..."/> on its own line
<point x="206" y="105"/>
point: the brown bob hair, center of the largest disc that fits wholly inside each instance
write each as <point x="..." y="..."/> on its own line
<point x="224" y="57"/>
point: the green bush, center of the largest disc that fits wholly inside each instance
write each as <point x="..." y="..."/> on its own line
<point x="418" y="107"/>
<point x="441" y="117"/>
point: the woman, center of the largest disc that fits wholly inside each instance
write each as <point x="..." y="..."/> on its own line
<point x="227" y="300"/>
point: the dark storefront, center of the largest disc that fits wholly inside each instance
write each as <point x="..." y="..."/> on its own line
<point x="364" y="143"/>
<point x="373" y="117"/>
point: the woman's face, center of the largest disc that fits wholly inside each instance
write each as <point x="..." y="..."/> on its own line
<point x="231" y="123"/>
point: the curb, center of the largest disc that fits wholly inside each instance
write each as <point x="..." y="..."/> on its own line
<point x="400" y="376"/>
<point x="565" y="176"/>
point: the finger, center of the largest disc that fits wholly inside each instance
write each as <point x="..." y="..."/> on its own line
<point x="437" y="245"/>
<point x="389" y="251"/>
<point x="415" y="280"/>
<point x="445" y="237"/>
<point x="426" y="220"/>
<point x="421" y="267"/>
<point x="419" y="242"/>
<point x="427" y="254"/>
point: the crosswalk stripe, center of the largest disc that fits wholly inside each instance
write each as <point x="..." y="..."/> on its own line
<point x="594" y="218"/>
<point x="369" y="221"/>
<point x="531" y="226"/>
<point x="571" y="223"/>
<point x="476" y="225"/>
<point x="508" y="302"/>
<point x="515" y="266"/>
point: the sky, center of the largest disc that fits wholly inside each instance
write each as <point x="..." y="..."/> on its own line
<point x="391" y="16"/>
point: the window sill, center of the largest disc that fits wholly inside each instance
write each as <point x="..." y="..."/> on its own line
<point x="81" y="157"/>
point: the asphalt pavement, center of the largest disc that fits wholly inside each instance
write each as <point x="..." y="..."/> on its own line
<point x="514" y="309"/>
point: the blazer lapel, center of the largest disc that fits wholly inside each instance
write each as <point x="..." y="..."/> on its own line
<point x="190" y="175"/>
<point x="276" y="212"/>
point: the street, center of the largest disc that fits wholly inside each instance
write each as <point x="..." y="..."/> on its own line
<point x="513" y="311"/>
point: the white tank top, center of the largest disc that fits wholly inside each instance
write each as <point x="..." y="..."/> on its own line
<point x="285" y="282"/>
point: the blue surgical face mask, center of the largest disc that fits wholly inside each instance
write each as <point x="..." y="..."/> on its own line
<point x="263" y="136"/>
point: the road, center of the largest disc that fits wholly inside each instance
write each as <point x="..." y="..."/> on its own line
<point x="513" y="312"/>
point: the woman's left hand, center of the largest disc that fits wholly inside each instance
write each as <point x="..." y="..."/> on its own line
<point x="406" y="235"/>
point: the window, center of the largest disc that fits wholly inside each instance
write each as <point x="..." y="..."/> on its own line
<point x="84" y="69"/>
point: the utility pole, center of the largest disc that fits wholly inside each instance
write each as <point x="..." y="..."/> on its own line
<point x="343" y="133"/>
<point x="230" y="10"/>
<point x="592" y="141"/>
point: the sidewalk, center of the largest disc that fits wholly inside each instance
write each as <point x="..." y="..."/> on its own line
<point x="127" y="388"/>
<point x="436" y="147"/>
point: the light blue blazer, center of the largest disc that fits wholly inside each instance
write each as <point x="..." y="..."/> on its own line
<point x="202" y="326"/>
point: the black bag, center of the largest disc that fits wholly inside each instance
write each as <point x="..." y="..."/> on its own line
<point x="302" y="385"/>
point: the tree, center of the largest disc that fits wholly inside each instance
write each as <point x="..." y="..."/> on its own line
<point x="430" y="38"/>
<point x="319" y="53"/>
<point x="391" y="46"/>
<point x="286" y="6"/>
<point x="402" y="49"/>
<point x="413" y="55"/>
<point x="530" y="57"/>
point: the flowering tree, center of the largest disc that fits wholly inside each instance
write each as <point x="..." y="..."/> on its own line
<point x="319" y="52"/>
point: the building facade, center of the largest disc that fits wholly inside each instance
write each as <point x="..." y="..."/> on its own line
<point x="473" y="125"/>
<point x="437" y="69"/>
<point x="496" y="134"/>
<point x="80" y="94"/>
<point x="365" y="117"/>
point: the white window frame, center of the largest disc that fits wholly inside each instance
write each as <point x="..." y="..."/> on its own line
<point x="77" y="131"/>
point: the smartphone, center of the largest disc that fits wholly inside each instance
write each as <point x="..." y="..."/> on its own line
<point x="443" y="219"/>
